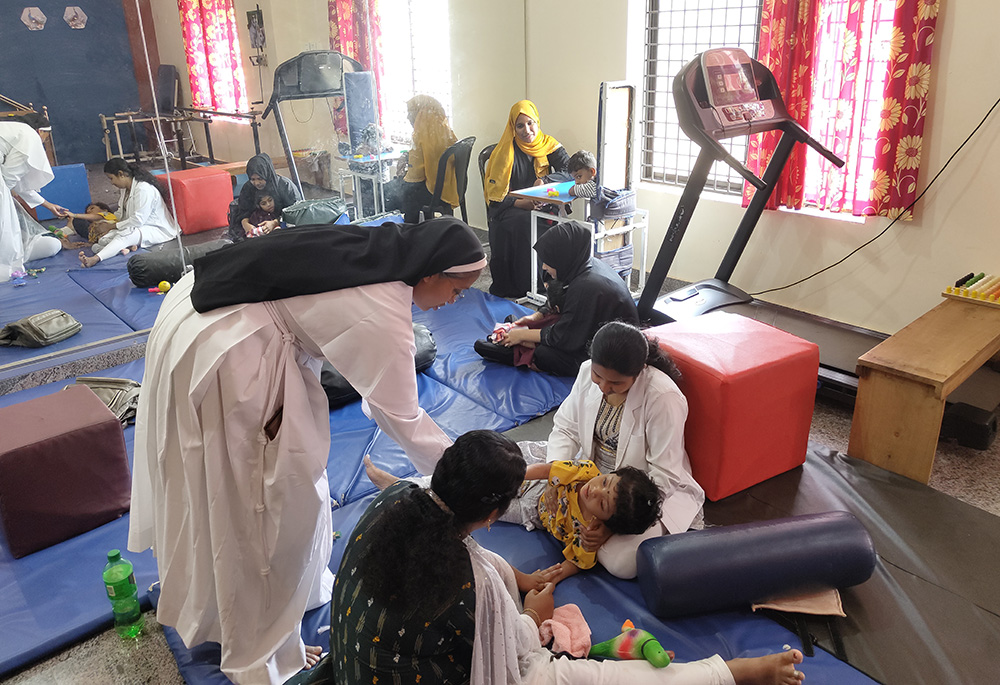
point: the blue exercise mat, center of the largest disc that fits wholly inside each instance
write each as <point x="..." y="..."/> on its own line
<point x="604" y="600"/>
<point x="136" y="307"/>
<point x="55" y="597"/>
<point x="517" y="394"/>
<point x="354" y="435"/>
<point x="56" y="290"/>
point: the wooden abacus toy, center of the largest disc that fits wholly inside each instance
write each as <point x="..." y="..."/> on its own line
<point x="981" y="288"/>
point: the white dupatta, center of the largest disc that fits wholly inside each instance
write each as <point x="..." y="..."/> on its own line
<point x="505" y="646"/>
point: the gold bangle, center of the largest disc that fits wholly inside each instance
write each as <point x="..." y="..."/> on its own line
<point x="534" y="614"/>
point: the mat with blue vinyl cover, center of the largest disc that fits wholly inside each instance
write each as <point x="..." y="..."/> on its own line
<point x="102" y="298"/>
<point x="604" y="600"/>
<point x="56" y="596"/>
<point x="36" y="623"/>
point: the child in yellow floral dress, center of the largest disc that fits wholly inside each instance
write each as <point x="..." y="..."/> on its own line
<point x="565" y="497"/>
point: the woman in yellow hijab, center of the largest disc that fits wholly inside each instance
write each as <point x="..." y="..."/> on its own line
<point x="524" y="157"/>
<point x="432" y="135"/>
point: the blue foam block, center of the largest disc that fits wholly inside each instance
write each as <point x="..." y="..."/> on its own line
<point x="517" y="394"/>
<point x="55" y="597"/>
<point x="69" y="189"/>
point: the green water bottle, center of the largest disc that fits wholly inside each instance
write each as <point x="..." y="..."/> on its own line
<point x="119" y="580"/>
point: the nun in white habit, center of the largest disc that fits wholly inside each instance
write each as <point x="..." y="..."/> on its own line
<point x="24" y="169"/>
<point x="229" y="485"/>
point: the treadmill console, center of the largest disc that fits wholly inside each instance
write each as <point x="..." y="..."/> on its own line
<point x="724" y="93"/>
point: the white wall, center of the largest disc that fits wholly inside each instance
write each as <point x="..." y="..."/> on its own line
<point x="488" y="76"/>
<point x="510" y="49"/>
<point x="886" y="285"/>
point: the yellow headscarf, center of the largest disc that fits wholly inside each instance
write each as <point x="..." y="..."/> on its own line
<point x="431" y="137"/>
<point x="501" y="162"/>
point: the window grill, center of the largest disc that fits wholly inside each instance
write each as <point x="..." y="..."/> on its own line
<point x="676" y="31"/>
<point x="417" y="59"/>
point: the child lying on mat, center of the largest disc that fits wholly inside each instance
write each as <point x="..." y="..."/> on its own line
<point x="95" y="222"/>
<point x="564" y="498"/>
<point x="567" y="497"/>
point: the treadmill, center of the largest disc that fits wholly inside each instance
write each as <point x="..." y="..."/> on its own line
<point x="721" y="93"/>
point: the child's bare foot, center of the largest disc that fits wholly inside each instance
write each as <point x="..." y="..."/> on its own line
<point x="88" y="261"/>
<point x="381" y="479"/>
<point x="773" y="669"/>
<point x="313" y="654"/>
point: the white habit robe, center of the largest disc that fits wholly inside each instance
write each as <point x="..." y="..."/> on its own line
<point x="24" y="169"/>
<point x="240" y="523"/>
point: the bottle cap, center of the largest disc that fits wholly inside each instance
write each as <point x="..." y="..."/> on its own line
<point x="114" y="555"/>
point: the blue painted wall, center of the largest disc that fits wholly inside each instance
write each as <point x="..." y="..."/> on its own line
<point x="77" y="73"/>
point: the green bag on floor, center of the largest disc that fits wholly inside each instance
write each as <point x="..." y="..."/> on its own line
<point x="313" y="212"/>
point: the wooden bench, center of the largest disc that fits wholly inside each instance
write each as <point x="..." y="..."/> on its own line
<point x="237" y="168"/>
<point x="905" y="380"/>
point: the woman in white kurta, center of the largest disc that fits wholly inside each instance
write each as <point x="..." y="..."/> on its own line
<point x="627" y="385"/>
<point x="25" y="170"/>
<point x="230" y="485"/>
<point x="145" y="219"/>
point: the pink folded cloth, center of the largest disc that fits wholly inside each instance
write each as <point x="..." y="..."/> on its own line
<point x="568" y="631"/>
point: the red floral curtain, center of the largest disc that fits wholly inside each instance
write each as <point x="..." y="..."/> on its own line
<point x="352" y="24"/>
<point x="787" y="36"/>
<point x="904" y="109"/>
<point x="862" y="92"/>
<point x="212" y="49"/>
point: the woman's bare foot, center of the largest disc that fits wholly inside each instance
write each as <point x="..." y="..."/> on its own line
<point x="381" y="479"/>
<point x="313" y="654"/>
<point x="88" y="261"/>
<point x="773" y="669"/>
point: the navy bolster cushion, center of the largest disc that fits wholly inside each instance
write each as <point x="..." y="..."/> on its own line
<point x="731" y="566"/>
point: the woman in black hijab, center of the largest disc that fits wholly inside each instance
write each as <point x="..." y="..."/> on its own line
<point x="594" y="294"/>
<point x="262" y="178"/>
<point x="232" y="440"/>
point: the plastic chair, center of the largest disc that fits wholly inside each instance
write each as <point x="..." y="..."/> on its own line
<point x="462" y="152"/>
<point x="484" y="156"/>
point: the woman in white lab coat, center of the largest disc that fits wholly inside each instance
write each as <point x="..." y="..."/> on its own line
<point x="625" y="409"/>
<point x="143" y="208"/>
<point x="24" y="169"/>
<point x="233" y="433"/>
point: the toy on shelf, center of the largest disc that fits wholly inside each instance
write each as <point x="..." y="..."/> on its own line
<point x="981" y="288"/>
<point x="633" y="643"/>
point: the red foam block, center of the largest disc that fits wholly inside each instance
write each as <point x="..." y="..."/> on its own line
<point x="750" y="389"/>
<point x="201" y="197"/>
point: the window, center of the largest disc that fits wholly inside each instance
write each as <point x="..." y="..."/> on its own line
<point x="212" y="50"/>
<point x="858" y="75"/>
<point x="676" y="31"/>
<point x="846" y="110"/>
<point x="416" y="58"/>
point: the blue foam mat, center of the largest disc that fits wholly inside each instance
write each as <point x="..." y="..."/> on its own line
<point x="56" y="290"/>
<point x="355" y="435"/>
<point x="517" y="394"/>
<point x="136" y="307"/>
<point x="604" y="600"/>
<point x="56" y="596"/>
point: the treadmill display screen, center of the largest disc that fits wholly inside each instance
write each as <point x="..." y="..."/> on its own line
<point x="728" y="77"/>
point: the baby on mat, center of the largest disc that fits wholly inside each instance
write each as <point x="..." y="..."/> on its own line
<point x="565" y="498"/>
